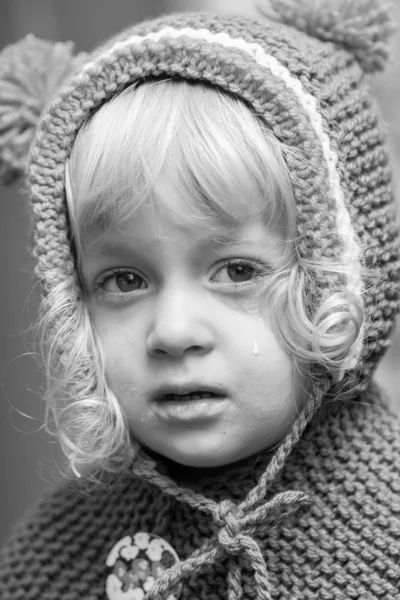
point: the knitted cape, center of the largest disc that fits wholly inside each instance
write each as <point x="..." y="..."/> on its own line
<point x="345" y="544"/>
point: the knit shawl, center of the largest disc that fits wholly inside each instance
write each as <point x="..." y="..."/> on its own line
<point x="344" y="544"/>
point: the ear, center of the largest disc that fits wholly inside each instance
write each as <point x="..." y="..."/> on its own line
<point x="31" y="71"/>
<point x="362" y="27"/>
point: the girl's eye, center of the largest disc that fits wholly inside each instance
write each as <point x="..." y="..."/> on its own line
<point x="238" y="272"/>
<point x="122" y="282"/>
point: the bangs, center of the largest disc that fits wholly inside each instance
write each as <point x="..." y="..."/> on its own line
<point x="186" y="150"/>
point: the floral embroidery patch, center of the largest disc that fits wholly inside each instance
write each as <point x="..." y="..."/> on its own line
<point x="135" y="562"/>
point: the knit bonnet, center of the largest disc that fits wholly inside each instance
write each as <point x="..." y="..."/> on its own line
<point x="303" y="68"/>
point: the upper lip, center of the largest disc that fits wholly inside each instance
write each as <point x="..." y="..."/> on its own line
<point x="187" y="388"/>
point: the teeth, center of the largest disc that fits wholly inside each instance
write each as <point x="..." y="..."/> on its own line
<point x="194" y="396"/>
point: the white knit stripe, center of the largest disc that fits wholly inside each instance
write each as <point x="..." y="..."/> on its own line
<point x="351" y="253"/>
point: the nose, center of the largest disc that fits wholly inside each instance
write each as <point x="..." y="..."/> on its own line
<point x="180" y="325"/>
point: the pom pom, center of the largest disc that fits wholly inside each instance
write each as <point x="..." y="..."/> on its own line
<point x="362" y="27"/>
<point x="30" y="72"/>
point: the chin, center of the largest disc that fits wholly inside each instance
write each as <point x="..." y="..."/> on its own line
<point x="199" y="461"/>
<point x="207" y="453"/>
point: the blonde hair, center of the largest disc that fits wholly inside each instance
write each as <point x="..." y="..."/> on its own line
<point x="201" y="136"/>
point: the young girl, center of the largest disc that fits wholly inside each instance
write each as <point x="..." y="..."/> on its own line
<point x="215" y="239"/>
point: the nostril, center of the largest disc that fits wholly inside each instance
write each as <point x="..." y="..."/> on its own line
<point x="196" y="349"/>
<point x="162" y="352"/>
<point x="176" y="342"/>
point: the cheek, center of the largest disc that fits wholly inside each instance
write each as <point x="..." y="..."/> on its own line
<point x="271" y="382"/>
<point x="259" y="348"/>
<point x="267" y="373"/>
<point x="121" y="342"/>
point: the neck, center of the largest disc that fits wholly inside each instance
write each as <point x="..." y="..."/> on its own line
<point x="233" y="480"/>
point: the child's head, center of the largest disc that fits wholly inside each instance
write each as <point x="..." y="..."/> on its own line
<point x="184" y="228"/>
<point x="224" y="202"/>
<point x="184" y="223"/>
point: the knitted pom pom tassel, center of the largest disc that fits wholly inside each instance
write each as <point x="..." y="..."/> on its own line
<point x="30" y="72"/>
<point x="362" y="27"/>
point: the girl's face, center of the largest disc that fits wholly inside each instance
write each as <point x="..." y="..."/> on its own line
<point x="193" y="361"/>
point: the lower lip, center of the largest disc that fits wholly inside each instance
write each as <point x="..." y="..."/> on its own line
<point x="190" y="410"/>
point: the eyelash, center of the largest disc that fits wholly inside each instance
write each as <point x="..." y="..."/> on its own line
<point x="108" y="275"/>
<point x="261" y="269"/>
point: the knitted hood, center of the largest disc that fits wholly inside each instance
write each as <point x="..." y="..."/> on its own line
<point x="303" y="70"/>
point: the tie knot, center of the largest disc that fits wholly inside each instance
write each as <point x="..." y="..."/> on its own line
<point x="226" y="517"/>
<point x="224" y="512"/>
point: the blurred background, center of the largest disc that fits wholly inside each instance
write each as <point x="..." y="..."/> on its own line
<point x="26" y="450"/>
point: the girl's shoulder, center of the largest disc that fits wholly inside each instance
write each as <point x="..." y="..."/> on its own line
<point x="348" y="464"/>
<point x="363" y="430"/>
<point x="353" y="439"/>
<point x="65" y="537"/>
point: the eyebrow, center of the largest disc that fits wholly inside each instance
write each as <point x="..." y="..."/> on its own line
<point x="228" y="238"/>
<point x="101" y="218"/>
<point x="103" y="247"/>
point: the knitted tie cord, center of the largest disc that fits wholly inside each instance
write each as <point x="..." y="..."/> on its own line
<point x="238" y="523"/>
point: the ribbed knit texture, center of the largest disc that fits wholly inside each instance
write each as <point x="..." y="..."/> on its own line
<point x="344" y="545"/>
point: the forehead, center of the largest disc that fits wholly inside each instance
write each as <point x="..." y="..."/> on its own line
<point x="172" y="211"/>
<point x="166" y="204"/>
<point x="153" y="237"/>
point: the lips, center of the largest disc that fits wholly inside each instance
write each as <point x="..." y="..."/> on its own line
<point x="187" y="392"/>
<point x="194" y="396"/>
<point x="188" y="405"/>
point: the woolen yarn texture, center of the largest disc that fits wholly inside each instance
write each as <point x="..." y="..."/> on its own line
<point x="320" y="517"/>
<point x="344" y="545"/>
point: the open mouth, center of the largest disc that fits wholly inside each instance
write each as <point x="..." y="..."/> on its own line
<point x="187" y="392"/>
<point x="199" y="395"/>
<point x="184" y="403"/>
